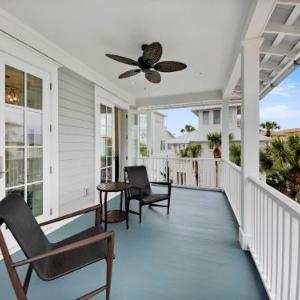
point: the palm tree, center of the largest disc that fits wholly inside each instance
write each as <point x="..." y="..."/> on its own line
<point x="269" y="126"/>
<point x="281" y="162"/>
<point x="187" y="128"/>
<point x="235" y="153"/>
<point x="193" y="150"/>
<point x="215" y="142"/>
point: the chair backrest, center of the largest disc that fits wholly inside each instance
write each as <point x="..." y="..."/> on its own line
<point x="137" y="177"/>
<point x="17" y="216"/>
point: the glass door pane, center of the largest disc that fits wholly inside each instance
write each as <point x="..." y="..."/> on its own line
<point x="106" y="144"/>
<point x="24" y="136"/>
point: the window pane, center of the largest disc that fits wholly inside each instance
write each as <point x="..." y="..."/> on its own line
<point x="103" y="161"/>
<point x="34" y="129"/>
<point x="35" y="198"/>
<point x="217" y="116"/>
<point x="14" y="127"/>
<point x="103" y="175"/>
<point x="109" y="161"/>
<point x="34" y="92"/>
<point x="206" y="117"/>
<point x="108" y="151"/>
<point x="34" y="165"/>
<point x="14" y="163"/>
<point x="109" y="174"/>
<point x="102" y="109"/>
<point x="14" y="86"/>
<point x="108" y="142"/>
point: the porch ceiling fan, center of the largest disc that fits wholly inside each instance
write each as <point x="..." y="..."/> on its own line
<point x="148" y="63"/>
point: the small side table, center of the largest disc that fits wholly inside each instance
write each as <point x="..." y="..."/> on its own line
<point x="116" y="215"/>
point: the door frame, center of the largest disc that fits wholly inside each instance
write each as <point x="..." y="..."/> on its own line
<point x="99" y="99"/>
<point x="14" y="51"/>
<point x="102" y="96"/>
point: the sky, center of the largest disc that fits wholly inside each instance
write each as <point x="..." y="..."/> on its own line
<point x="281" y="105"/>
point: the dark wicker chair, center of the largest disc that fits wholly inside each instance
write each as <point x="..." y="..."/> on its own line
<point x="52" y="260"/>
<point x="141" y="191"/>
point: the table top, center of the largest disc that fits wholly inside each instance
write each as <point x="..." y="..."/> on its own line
<point x="113" y="187"/>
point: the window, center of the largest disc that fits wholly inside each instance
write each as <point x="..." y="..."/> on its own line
<point x="205" y="117"/>
<point x="217" y="116"/>
<point x="24" y="147"/>
<point x="162" y="146"/>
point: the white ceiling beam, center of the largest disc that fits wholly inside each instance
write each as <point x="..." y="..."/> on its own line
<point x="282" y="28"/>
<point x="289" y="2"/>
<point x="174" y="101"/>
<point x="280" y="36"/>
<point x="255" y="25"/>
<point x="274" y="50"/>
<point x="270" y="66"/>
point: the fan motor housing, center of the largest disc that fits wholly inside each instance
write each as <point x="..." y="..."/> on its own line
<point x="144" y="64"/>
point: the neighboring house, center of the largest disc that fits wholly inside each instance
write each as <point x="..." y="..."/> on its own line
<point x="209" y="121"/>
<point x="285" y="132"/>
<point x="154" y="133"/>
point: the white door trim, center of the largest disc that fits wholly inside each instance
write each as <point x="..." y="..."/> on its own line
<point x="102" y="97"/>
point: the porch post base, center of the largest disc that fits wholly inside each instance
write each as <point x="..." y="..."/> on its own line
<point x="244" y="240"/>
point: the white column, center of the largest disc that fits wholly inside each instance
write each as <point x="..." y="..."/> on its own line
<point x="149" y="132"/>
<point x="225" y="130"/>
<point x="249" y="131"/>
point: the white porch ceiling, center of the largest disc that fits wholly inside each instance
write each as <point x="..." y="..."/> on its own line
<point x="204" y="34"/>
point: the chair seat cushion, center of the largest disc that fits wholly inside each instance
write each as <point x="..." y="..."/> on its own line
<point x="61" y="264"/>
<point x="147" y="199"/>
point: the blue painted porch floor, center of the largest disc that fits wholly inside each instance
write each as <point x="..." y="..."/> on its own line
<point x="191" y="254"/>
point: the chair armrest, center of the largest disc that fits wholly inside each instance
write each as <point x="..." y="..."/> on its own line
<point x="73" y="214"/>
<point x="162" y="182"/>
<point x="169" y="184"/>
<point x="110" y="235"/>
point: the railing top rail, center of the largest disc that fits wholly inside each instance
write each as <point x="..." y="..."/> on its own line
<point x="232" y="165"/>
<point x="282" y="199"/>
<point x="181" y="158"/>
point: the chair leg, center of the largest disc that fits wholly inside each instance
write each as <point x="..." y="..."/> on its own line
<point x="140" y="213"/>
<point x="168" y="206"/>
<point x="15" y="280"/>
<point x="127" y="202"/>
<point x="109" y="265"/>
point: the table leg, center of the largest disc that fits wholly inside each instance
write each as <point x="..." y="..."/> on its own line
<point x="121" y="201"/>
<point x="126" y="208"/>
<point x="98" y="218"/>
<point x="105" y="210"/>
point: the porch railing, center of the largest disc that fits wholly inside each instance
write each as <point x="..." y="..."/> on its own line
<point x="192" y="172"/>
<point x="232" y="187"/>
<point x="275" y="238"/>
<point x="275" y="243"/>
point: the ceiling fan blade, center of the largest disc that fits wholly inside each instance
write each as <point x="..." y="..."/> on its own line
<point x="152" y="53"/>
<point x="130" y="73"/>
<point x="169" y="66"/>
<point x="153" y="76"/>
<point x="122" y="59"/>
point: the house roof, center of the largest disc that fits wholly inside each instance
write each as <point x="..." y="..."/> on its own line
<point x="200" y="135"/>
<point x="286" y="132"/>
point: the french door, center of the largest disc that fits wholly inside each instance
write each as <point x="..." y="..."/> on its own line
<point x="25" y="134"/>
<point x="107" y="143"/>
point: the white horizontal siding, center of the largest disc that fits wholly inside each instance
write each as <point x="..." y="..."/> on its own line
<point x="76" y="141"/>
